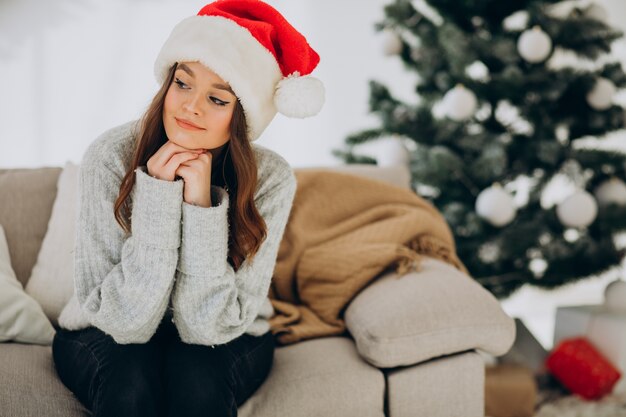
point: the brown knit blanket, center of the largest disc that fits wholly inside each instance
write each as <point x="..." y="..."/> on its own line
<point x="343" y="231"/>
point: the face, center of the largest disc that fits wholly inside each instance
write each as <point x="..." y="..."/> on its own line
<point x="198" y="96"/>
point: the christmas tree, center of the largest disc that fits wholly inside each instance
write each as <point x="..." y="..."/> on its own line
<point x="509" y="95"/>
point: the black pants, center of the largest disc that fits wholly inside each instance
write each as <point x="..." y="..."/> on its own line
<point x="164" y="377"/>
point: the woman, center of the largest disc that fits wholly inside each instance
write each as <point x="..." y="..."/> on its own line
<point x="180" y="221"/>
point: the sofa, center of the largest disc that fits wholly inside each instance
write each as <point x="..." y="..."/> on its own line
<point x="415" y="345"/>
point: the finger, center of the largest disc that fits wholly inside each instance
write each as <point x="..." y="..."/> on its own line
<point x="202" y="165"/>
<point x="182" y="156"/>
<point x="177" y="159"/>
<point x="181" y="168"/>
<point x="179" y="173"/>
<point x="195" y="165"/>
<point x="168" y="150"/>
<point x="164" y="153"/>
<point x="206" y="157"/>
<point x="184" y="171"/>
<point x="195" y="169"/>
<point x="201" y="159"/>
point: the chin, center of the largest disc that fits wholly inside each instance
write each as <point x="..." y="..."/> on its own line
<point x="182" y="138"/>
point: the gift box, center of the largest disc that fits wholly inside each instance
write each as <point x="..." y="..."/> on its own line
<point x="510" y="391"/>
<point x="606" y="330"/>
<point x="582" y="369"/>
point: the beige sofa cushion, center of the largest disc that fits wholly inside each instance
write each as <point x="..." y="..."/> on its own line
<point x="451" y="386"/>
<point x="436" y="311"/>
<point x="319" y="377"/>
<point x="21" y="318"/>
<point x="30" y="386"/>
<point x="27" y="196"/>
<point x="51" y="282"/>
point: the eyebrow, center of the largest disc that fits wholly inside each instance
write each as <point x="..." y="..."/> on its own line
<point x="216" y="85"/>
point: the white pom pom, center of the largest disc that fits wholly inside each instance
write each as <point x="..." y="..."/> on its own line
<point x="298" y="96"/>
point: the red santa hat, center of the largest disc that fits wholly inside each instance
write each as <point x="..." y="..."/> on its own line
<point x="251" y="46"/>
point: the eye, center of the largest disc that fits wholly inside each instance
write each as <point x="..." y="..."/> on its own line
<point x="180" y="83"/>
<point x="215" y="100"/>
<point x="218" y="101"/>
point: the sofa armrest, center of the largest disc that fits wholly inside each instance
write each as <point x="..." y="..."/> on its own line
<point x="436" y="311"/>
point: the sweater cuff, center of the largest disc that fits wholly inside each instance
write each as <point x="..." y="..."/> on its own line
<point x="156" y="210"/>
<point x="204" y="244"/>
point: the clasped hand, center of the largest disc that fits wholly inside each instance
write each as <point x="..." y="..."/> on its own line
<point x="193" y="165"/>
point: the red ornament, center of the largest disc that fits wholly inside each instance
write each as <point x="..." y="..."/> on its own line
<point x="578" y="365"/>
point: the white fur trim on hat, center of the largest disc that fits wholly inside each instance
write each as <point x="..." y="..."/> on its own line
<point x="235" y="55"/>
<point x="299" y="96"/>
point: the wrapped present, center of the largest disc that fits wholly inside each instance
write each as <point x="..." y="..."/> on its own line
<point x="510" y="391"/>
<point x="582" y="369"/>
<point x="604" y="328"/>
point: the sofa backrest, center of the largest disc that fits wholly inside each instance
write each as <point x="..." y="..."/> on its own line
<point x="26" y="199"/>
<point x="398" y="175"/>
<point x="27" y="196"/>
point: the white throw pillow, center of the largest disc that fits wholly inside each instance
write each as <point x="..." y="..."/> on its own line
<point x="52" y="279"/>
<point x="21" y="318"/>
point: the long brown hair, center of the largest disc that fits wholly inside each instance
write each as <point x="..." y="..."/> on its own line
<point x="235" y="170"/>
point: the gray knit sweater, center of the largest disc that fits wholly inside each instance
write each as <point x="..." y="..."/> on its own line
<point x="174" y="264"/>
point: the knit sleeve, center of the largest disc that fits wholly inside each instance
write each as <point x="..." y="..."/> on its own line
<point x="123" y="283"/>
<point x="212" y="303"/>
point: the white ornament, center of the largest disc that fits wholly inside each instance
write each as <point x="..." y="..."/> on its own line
<point x="459" y="103"/>
<point x="534" y="45"/>
<point x="561" y="10"/>
<point x="477" y="71"/>
<point x="597" y="12"/>
<point x="562" y="134"/>
<point x="615" y="296"/>
<point x="571" y="235"/>
<point x="489" y="252"/>
<point x="392" y="44"/>
<point x="393" y="153"/>
<point x="538" y="267"/>
<point x="601" y="95"/>
<point x="496" y="206"/>
<point x="577" y="210"/>
<point x="516" y="21"/>
<point x="611" y="191"/>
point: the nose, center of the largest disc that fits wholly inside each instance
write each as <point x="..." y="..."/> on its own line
<point x="192" y="105"/>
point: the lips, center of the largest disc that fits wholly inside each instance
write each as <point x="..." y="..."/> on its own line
<point x="186" y="124"/>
